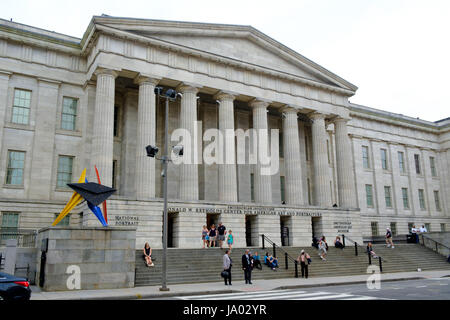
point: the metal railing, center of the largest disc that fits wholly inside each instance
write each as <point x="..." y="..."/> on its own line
<point x="287" y="257"/>
<point x="380" y="259"/>
<point x="436" y="246"/>
<point x="25" y="238"/>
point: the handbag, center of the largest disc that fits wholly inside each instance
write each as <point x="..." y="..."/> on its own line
<point x="224" y="274"/>
<point x="309" y="260"/>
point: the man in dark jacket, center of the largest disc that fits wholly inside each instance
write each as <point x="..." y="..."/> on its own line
<point x="247" y="266"/>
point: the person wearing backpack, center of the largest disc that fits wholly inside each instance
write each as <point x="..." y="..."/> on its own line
<point x="389" y="242"/>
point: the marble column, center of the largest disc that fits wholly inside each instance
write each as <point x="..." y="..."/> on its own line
<point x="344" y="162"/>
<point x="189" y="169"/>
<point x="322" y="192"/>
<point x="103" y="138"/>
<point x="263" y="183"/>
<point x="227" y="171"/>
<point x="146" y="135"/>
<point x="292" y="160"/>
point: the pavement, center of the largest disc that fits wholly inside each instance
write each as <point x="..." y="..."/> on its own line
<point x="220" y="288"/>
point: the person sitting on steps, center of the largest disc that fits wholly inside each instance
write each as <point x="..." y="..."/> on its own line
<point x="148" y="255"/>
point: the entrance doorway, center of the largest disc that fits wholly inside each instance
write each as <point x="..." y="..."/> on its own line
<point x="285" y="227"/>
<point x="316" y="227"/>
<point x="213" y="219"/>
<point x="251" y="237"/>
<point x="172" y="230"/>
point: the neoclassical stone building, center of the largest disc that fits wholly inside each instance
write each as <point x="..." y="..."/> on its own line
<point x="67" y="104"/>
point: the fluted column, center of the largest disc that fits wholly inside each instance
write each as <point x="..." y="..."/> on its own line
<point x="188" y="117"/>
<point x="322" y="192"/>
<point x="146" y="135"/>
<point x="263" y="183"/>
<point x="344" y="162"/>
<point x="292" y="163"/>
<point x="227" y="170"/>
<point x="103" y="139"/>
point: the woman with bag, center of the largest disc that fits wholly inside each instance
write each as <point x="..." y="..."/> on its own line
<point x="304" y="260"/>
<point x="226" y="273"/>
<point x="205" y="239"/>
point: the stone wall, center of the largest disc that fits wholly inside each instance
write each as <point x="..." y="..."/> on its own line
<point x="105" y="257"/>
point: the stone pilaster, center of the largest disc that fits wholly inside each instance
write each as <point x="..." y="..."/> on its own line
<point x="292" y="160"/>
<point x="188" y="170"/>
<point x="146" y="135"/>
<point x="322" y="192"/>
<point x="102" y="142"/>
<point x="263" y="183"/>
<point x="227" y="171"/>
<point x="344" y="162"/>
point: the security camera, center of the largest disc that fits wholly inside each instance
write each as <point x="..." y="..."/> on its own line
<point x="178" y="150"/>
<point x="158" y="90"/>
<point x="151" y="151"/>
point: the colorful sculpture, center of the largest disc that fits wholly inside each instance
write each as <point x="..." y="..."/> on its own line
<point x="93" y="193"/>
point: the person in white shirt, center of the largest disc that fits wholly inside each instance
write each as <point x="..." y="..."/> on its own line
<point x="414" y="231"/>
<point x="423" y="229"/>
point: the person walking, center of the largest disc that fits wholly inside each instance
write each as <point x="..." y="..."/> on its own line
<point x="230" y="240"/>
<point x="205" y="232"/>
<point x="304" y="259"/>
<point x="322" y="250"/>
<point x="222" y="231"/>
<point x="389" y="242"/>
<point x="227" y="263"/>
<point x="247" y="267"/>
<point x="212" y="236"/>
<point x="148" y="255"/>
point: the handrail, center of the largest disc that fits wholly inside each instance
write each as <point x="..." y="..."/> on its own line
<point x="435" y="241"/>
<point x="380" y="258"/>
<point x="286" y="255"/>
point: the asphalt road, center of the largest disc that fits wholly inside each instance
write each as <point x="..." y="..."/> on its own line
<point x="426" y="289"/>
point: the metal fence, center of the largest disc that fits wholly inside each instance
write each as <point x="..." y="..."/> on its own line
<point x="25" y="238"/>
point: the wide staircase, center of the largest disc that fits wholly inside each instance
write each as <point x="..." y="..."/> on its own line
<point x="205" y="265"/>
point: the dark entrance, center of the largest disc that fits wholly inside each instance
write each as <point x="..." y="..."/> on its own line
<point x="285" y="224"/>
<point x="316" y="227"/>
<point x="213" y="219"/>
<point x="172" y="228"/>
<point x="250" y="227"/>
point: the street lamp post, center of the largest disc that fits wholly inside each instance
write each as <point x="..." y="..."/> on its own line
<point x="151" y="152"/>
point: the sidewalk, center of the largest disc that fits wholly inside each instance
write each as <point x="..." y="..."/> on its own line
<point x="219" y="287"/>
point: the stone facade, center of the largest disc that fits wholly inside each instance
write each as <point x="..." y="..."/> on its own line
<point x="111" y="73"/>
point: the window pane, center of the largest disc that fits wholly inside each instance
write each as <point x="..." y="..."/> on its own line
<point x="69" y="113"/>
<point x="21" y="106"/>
<point x="374" y="227"/>
<point x="436" y="200"/>
<point x="417" y="163"/>
<point x="64" y="175"/>
<point x="387" y="196"/>
<point x="369" y="196"/>
<point x="14" y="172"/>
<point x="365" y="152"/>
<point x="405" y="198"/>
<point x="433" y="167"/>
<point x="384" y="159"/>
<point x="65" y="221"/>
<point x="401" y="162"/>
<point x="421" y="199"/>
<point x="282" y="189"/>
<point x="252" y="186"/>
<point x="393" y="228"/>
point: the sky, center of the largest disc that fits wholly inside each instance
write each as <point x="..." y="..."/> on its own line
<point x="397" y="52"/>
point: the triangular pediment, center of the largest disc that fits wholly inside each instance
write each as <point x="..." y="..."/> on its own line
<point x="242" y="44"/>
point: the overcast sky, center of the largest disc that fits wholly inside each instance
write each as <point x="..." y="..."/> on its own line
<point x="396" y="52"/>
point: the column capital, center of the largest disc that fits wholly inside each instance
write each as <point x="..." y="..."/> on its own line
<point x="105" y="70"/>
<point x="186" y="87"/>
<point x="259" y="103"/>
<point x="144" y="78"/>
<point x="317" y="116"/>
<point x="289" y="109"/>
<point x="224" y="96"/>
<point x="339" y="119"/>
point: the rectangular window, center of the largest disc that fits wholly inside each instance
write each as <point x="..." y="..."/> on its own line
<point x="428" y="227"/>
<point x="393" y="227"/>
<point x="422" y="199"/>
<point x="64" y="176"/>
<point x="365" y="155"/>
<point x="114" y="173"/>
<point x="21" y="106"/>
<point x="401" y="162"/>
<point x="410" y="226"/>
<point x="283" y="199"/>
<point x="384" y="163"/>
<point x="369" y="195"/>
<point x="306" y="148"/>
<point x="116" y="121"/>
<point x="280" y="145"/>
<point x="65" y="221"/>
<point x="16" y="163"/>
<point x="374" y="228"/>
<point x="433" y="167"/>
<point x="443" y="228"/>
<point x="436" y="200"/>
<point x="387" y="196"/>
<point x="69" y="113"/>
<point x="417" y="163"/>
<point x="252" y="186"/>
<point x="10" y="225"/>
<point x="405" y="198"/>
<point x="309" y="192"/>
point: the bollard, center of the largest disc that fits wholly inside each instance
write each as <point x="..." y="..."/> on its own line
<point x="262" y="236"/>
<point x="370" y="257"/>
<point x="286" y="260"/>
<point x="381" y="266"/>
<point x="296" y="269"/>
<point x="274" y="251"/>
<point x="343" y="240"/>
<point x="356" y="249"/>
